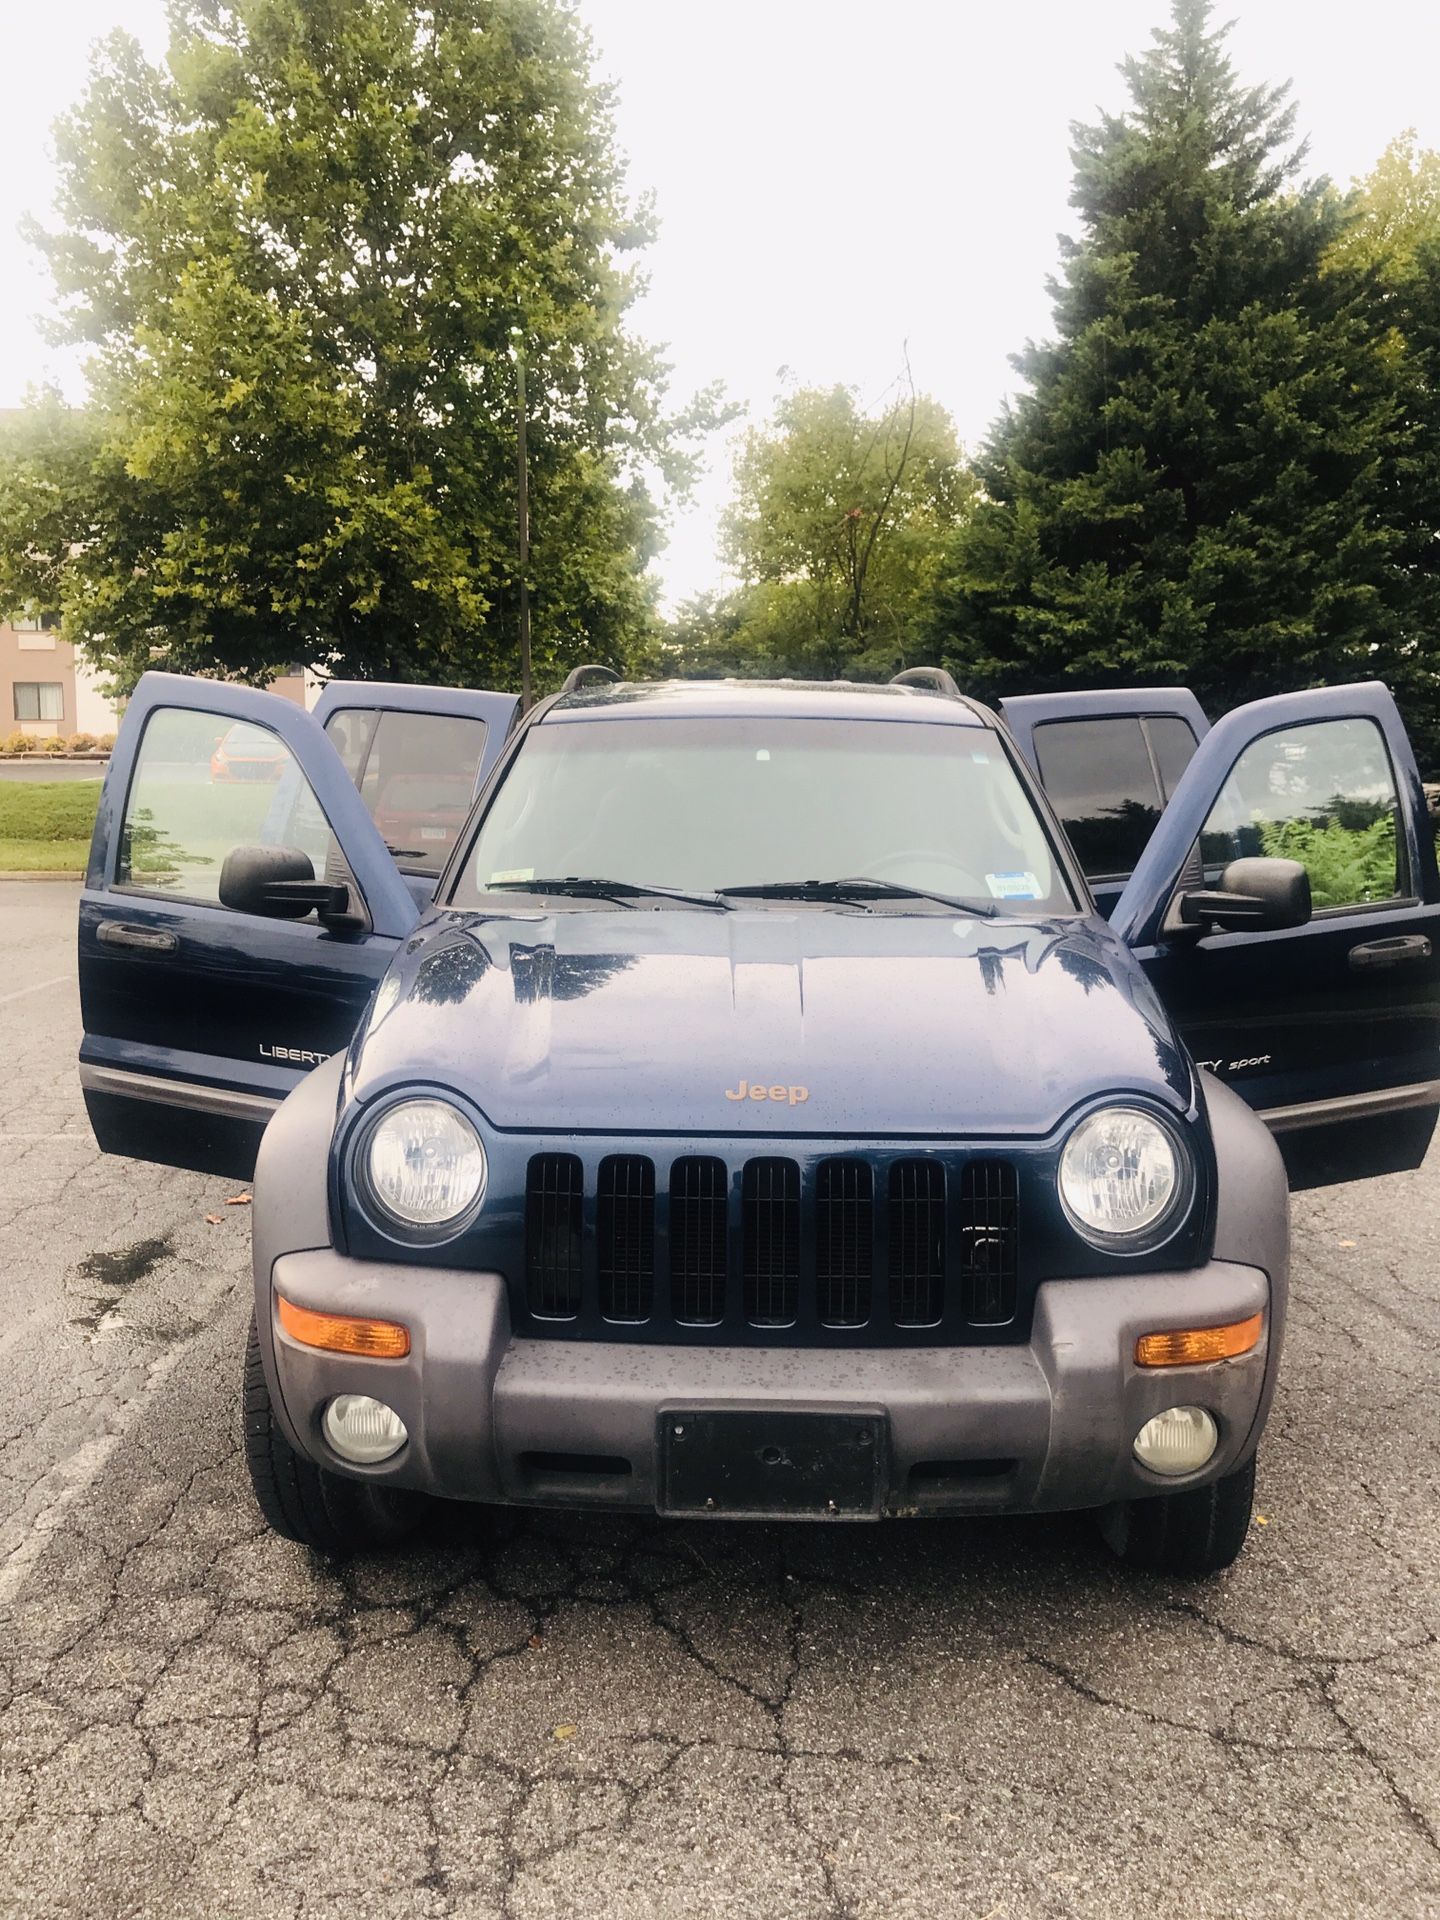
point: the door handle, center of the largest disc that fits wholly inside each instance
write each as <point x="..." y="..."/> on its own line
<point x="1403" y="951"/>
<point x="118" y="933"/>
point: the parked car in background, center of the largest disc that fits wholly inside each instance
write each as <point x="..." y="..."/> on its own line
<point x="761" y="1119"/>
<point x="244" y="752"/>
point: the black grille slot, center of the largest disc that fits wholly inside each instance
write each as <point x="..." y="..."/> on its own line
<point x="554" y="1191"/>
<point x="697" y="1241"/>
<point x="988" y="1241"/>
<point x="844" y="1242"/>
<point x="917" y="1242"/>
<point x="770" y="1211"/>
<point x="625" y="1235"/>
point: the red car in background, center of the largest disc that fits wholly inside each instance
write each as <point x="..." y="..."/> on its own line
<point x="247" y="753"/>
<point x="420" y="815"/>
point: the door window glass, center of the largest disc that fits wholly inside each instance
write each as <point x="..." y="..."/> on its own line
<point x="418" y="782"/>
<point x="1172" y="741"/>
<point x="349" y="731"/>
<point x="1322" y="794"/>
<point x="204" y="785"/>
<point x="1100" y="780"/>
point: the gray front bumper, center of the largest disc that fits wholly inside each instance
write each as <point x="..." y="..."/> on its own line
<point x="1004" y="1429"/>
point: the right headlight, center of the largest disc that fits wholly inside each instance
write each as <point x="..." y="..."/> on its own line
<point x="1126" y="1179"/>
<point x="425" y="1167"/>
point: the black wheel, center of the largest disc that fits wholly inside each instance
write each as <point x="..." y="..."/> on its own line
<point x="1198" y="1531"/>
<point x="323" y="1511"/>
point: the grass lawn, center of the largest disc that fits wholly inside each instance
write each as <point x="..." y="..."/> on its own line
<point x="45" y="825"/>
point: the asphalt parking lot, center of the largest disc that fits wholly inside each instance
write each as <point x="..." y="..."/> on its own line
<point x="544" y="1715"/>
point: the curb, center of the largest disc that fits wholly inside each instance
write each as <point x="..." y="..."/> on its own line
<point x="58" y="873"/>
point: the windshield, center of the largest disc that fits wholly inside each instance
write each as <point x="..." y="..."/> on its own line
<point x="709" y="803"/>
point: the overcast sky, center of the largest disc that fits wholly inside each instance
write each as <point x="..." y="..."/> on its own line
<point x="833" y="179"/>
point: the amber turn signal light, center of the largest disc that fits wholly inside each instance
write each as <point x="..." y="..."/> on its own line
<point x="343" y="1332"/>
<point x="1193" y="1346"/>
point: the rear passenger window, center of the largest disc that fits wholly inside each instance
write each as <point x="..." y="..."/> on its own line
<point x="1172" y="741"/>
<point x="350" y="731"/>
<point x="1101" y="782"/>
<point x="204" y="785"/>
<point x="416" y="774"/>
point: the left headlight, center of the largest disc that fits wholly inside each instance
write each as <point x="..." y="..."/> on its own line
<point x="424" y="1166"/>
<point x="1126" y="1179"/>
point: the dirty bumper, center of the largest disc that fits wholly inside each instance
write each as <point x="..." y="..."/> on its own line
<point x="773" y="1432"/>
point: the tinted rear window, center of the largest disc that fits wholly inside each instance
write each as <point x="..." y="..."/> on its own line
<point x="1101" y="776"/>
<point x="1173" y="742"/>
<point x="1100" y="780"/>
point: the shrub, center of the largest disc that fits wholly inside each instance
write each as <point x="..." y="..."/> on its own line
<point x="56" y="745"/>
<point x="105" y="742"/>
<point x="80" y="743"/>
<point x="16" y="742"/>
<point x="1346" y="865"/>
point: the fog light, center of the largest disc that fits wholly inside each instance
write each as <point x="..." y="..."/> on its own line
<point x="1180" y="1440"/>
<point x="362" y="1429"/>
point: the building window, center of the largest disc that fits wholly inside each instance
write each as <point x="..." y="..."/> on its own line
<point x="40" y="700"/>
<point x="37" y="623"/>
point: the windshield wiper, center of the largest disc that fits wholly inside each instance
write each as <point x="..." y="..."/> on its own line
<point x="857" y="892"/>
<point x="582" y="887"/>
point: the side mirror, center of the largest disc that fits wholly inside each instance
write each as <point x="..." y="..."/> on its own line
<point x="1254" y="896"/>
<point x="279" y="883"/>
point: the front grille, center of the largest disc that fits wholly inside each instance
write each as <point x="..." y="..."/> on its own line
<point x="625" y="1236"/>
<point x="770" y="1254"/>
<point x="988" y="1205"/>
<point x="917" y="1242"/>
<point x="554" y="1204"/>
<point x="699" y="1240"/>
<point x="844" y="1242"/>
<point x="910" y="1247"/>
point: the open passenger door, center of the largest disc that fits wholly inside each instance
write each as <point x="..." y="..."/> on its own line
<point x="1329" y="1028"/>
<point x="239" y="908"/>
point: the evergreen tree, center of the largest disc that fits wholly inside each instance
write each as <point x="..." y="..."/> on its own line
<point x="300" y="252"/>
<point x="1200" y="483"/>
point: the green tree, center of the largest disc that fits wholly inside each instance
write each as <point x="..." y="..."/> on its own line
<point x="1395" y="211"/>
<point x="838" y="525"/>
<point x="1392" y="235"/>
<point x="298" y="251"/>
<point x="1199" y="483"/>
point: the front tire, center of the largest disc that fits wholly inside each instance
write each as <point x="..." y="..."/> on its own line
<point x="1194" y="1532"/>
<point x="321" y="1510"/>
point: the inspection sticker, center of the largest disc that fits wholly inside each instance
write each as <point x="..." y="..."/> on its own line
<point x="511" y="873"/>
<point x="1013" y="886"/>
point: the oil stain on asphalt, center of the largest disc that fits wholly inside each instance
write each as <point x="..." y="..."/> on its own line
<point x="111" y="1274"/>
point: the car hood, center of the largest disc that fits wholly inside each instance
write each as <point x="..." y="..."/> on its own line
<point x="635" y="1021"/>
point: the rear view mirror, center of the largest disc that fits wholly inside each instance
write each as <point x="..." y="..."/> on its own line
<point x="279" y="883"/>
<point x="1258" y="895"/>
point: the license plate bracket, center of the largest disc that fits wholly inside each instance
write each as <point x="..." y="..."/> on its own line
<point x="765" y="1463"/>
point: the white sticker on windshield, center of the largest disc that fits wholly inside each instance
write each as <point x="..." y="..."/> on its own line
<point x="1013" y="886"/>
<point x="511" y="873"/>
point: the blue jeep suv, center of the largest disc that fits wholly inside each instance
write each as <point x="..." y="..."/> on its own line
<point x="739" y="1107"/>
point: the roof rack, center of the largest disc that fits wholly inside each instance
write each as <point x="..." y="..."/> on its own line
<point x="935" y="678"/>
<point x="579" y="677"/>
